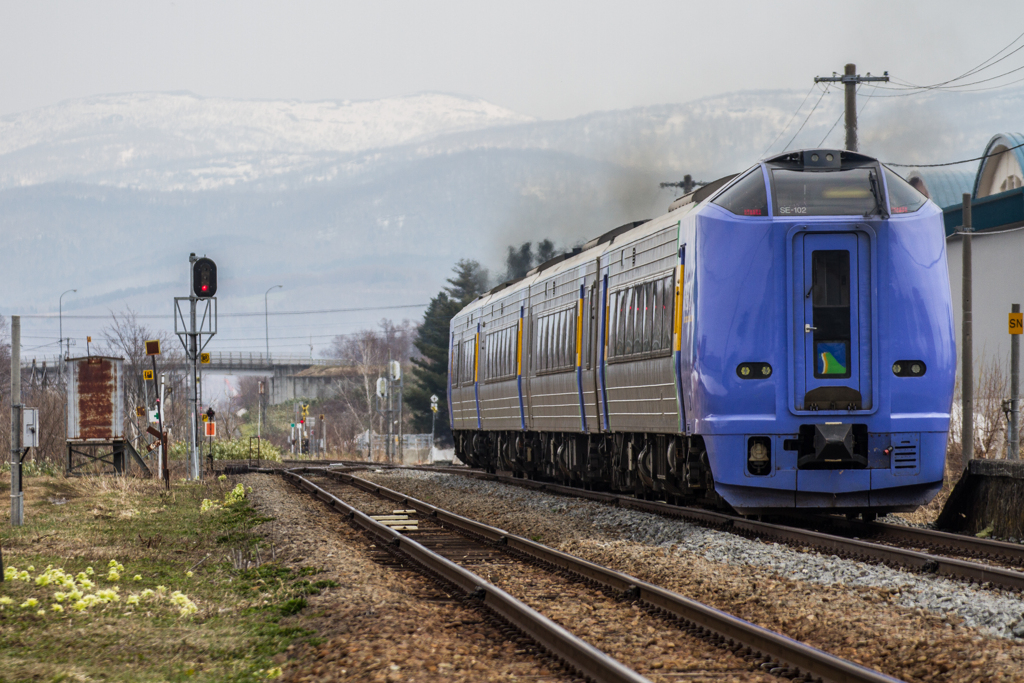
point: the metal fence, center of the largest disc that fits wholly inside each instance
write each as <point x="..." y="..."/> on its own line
<point x="415" y="448"/>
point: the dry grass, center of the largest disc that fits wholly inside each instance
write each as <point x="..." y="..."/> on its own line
<point x="86" y="521"/>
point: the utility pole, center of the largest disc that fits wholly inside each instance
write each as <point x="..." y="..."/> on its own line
<point x="967" y="331"/>
<point x="851" y="80"/>
<point x="17" y="499"/>
<point x="1013" y="452"/>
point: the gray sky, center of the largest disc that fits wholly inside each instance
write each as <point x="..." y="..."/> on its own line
<point x="546" y="59"/>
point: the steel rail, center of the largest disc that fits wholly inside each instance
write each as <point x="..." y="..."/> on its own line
<point x="725" y="628"/>
<point x="848" y="547"/>
<point x="577" y="653"/>
<point x="990" y="549"/>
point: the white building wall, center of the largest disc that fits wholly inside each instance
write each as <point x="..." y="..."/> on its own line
<point x="998" y="282"/>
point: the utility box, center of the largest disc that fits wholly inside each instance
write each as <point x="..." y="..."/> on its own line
<point x="95" y="399"/>
<point x="30" y="427"/>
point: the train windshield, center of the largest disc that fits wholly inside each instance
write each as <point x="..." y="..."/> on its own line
<point x="825" y="193"/>
<point x="903" y="198"/>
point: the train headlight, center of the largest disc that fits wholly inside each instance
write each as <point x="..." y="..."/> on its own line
<point x="759" y="455"/>
<point x="754" y="370"/>
<point x="909" y="368"/>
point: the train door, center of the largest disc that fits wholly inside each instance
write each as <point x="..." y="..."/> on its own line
<point x="834" y="356"/>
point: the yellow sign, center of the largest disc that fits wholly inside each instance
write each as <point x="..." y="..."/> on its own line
<point x="1016" y="323"/>
<point x="152" y="347"/>
<point x="147" y="374"/>
<point x="204" y="358"/>
<point x="206" y="418"/>
<point x="305" y="411"/>
<point x="140" y="411"/>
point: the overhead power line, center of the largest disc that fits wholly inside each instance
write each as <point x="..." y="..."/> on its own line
<point x="954" y="163"/>
<point x="809" y="114"/>
<point x="236" y="315"/>
<point x="786" y="127"/>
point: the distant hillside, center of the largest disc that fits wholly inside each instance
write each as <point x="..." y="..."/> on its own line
<point x="371" y="202"/>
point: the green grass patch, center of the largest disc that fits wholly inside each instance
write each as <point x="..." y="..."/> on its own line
<point x="144" y="629"/>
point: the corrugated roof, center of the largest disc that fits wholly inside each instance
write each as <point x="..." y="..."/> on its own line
<point x="1006" y="139"/>
<point x="945" y="186"/>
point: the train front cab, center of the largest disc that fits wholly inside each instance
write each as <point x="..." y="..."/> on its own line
<point x="822" y="340"/>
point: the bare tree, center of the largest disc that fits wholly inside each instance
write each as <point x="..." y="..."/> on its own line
<point x="126" y="338"/>
<point x="368" y="352"/>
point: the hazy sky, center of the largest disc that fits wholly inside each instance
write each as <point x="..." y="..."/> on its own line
<point x="548" y="59"/>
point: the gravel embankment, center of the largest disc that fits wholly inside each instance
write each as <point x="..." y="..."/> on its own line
<point x="647" y="644"/>
<point x="908" y="625"/>
<point x="379" y="624"/>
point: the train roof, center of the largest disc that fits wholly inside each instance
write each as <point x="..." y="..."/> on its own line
<point x="593" y="249"/>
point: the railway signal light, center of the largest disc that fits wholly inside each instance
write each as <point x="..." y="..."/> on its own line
<point x="204" y="278"/>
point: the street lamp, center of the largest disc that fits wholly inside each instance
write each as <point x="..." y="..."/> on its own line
<point x="266" y="318"/>
<point x="60" y="354"/>
<point x="60" y="319"/>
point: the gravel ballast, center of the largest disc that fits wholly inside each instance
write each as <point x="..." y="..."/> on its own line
<point x="379" y="624"/>
<point x="620" y="628"/>
<point x="908" y="625"/>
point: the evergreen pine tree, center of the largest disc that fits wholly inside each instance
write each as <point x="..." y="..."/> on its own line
<point x="430" y="370"/>
<point x="469" y="282"/>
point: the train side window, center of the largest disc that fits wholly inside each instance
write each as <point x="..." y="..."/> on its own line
<point x="658" y="314"/>
<point x="903" y="198"/>
<point x="563" y="339"/>
<point x="546" y="326"/>
<point x="494" y="351"/>
<point x="455" y="376"/>
<point x="560" y="340"/>
<point x="567" y="325"/>
<point x="612" y="324"/>
<point x="569" y="340"/>
<point x="668" y="308"/>
<point x="649" y="332"/>
<point x="541" y="333"/>
<point x="638" y="325"/>
<point x="747" y="196"/>
<point x="623" y="314"/>
<point x="504" y="353"/>
<point x="630" y="309"/>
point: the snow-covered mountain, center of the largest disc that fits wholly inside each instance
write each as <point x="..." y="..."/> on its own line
<point x="370" y="203"/>
<point x="147" y="140"/>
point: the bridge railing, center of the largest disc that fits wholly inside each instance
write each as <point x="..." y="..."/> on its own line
<point x="244" y="359"/>
<point x="223" y="359"/>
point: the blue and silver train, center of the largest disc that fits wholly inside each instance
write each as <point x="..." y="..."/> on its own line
<point x="780" y="339"/>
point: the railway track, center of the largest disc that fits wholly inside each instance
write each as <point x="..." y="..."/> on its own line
<point x="445" y="545"/>
<point x="890" y="544"/>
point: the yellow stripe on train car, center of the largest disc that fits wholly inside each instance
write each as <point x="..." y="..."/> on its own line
<point x="519" y="351"/>
<point x="678" y="322"/>
<point x="476" y="358"/>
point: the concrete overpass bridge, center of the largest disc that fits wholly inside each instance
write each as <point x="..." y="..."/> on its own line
<point x="289" y="376"/>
